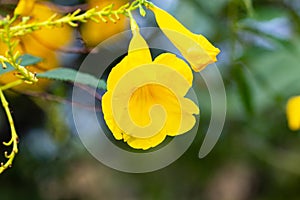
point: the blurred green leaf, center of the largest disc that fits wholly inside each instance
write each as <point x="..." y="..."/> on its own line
<point x="71" y="75"/>
<point x="249" y="7"/>
<point x="264" y="13"/>
<point x="244" y="88"/>
<point x="7" y="69"/>
<point x="28" y="59"/>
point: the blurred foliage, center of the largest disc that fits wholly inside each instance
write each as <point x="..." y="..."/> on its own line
<point x="257" y="157"/>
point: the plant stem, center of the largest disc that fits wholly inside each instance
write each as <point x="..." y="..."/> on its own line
<point x="14" y="137"/>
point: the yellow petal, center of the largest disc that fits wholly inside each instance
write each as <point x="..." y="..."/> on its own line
<point x="51" y="37"/>
<point x="93" y="33"/>
<point x="194" y="47"/>
<point x="24" y="7"/>
<point x="138" y="54"/>
<point x="54" y="37"/>
<point x="140" y="143"/>
<point x="166" y="87"/>
<point x="32" y="46"/>
<point x="108" y="116"/>
<point x="293" y="113"/>
<point x="179" y="110"/>
<point x="177" y="64"/>
<point x="138" y="51"/>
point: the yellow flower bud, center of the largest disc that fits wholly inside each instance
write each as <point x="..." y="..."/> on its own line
<point x="198" y="51"/>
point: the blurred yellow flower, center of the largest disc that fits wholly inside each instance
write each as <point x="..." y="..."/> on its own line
<point x="93" y="33"/>
<point x="293" y="113"/>
<point x="41" y="43"/>
<point x="145" y="99"/>
<point x="198" y="51"/>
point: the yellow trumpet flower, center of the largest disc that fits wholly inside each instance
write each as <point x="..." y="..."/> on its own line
<point x="198" y="51"/>
<point x="145" y="99"/>
<point x="293" y="113"/>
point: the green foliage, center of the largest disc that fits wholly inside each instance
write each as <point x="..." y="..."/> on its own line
<point x="71" y="75"/>
<point x="244" y="87"/>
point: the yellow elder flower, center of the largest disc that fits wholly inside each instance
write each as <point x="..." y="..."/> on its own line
<point x="293" y="113"/>
<point x="145" y="99"/>
<point x="41" y="43"/>
<point x="198" y="51"/>
<point x="93" y="33"/>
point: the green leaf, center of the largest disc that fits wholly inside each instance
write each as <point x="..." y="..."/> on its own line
<point x="249" y="7"/>
<point x="244" y="87"/>
<point x="25" y="59"/>
<point x="7" y="69"/>
<point x="28" y="59"/>
<point x="71" y="75"/>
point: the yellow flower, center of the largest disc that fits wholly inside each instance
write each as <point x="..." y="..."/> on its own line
<point x="93" y="33"/>
<point x="198" y="51"/>
<point x="41" y="43"/>
<point x="145" y="99"/>
<point x="293" y="113"/>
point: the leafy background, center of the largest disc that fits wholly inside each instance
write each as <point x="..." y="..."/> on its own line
<point x="257" y="156"/>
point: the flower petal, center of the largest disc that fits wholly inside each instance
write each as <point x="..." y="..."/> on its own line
<point x="176" y="63"/>
<point x="138" y="51"/>
<point x="138" y="54"/>
<point x="93" y="32"/>
<point x="108" y="116"/>
<point x="24" y="7"/>
<point x="293" y="113"/>
<point x="55" y="37"/>
<point x="30" y="45"/>
<point x="144" y="143"/>
<point x="195" y="48"/>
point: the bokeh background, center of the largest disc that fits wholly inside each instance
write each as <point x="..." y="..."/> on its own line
<point x="257" y="156"/>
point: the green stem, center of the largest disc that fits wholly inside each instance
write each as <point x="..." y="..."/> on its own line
<point x="11" y="84"/>
<point x="71" y="19"/>
<point x="14" y="137"/>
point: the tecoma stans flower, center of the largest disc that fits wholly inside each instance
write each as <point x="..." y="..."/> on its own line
<point x="51" y="38"/>
<point x="93" y="33"/>
<point x="41" y="43"/>
<point x="293" y="113"/>
<point x="196" y="49"/>
<point x="145" y="100"/>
